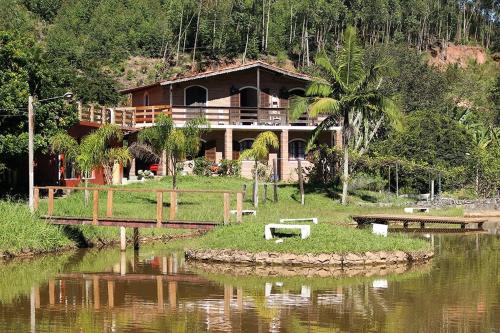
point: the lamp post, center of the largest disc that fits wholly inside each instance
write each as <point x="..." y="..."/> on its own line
<point x="31" y="136"/>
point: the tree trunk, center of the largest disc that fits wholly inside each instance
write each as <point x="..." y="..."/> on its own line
<point x="256" y="187"/>
<point x="174" y="178"/>
<point x="196" y="34"/>
<point x="87" y="193"/>
<point x="345" y="176"/>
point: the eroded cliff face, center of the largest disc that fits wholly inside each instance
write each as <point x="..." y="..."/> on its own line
<point x="442" y="56"/>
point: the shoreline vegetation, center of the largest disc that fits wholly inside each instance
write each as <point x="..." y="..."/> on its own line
<point x="23" y="234"/>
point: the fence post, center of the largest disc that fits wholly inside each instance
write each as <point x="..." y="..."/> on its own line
<point x="95" y="208"/>
<point x="244" y="191"/>
<point x="36" y="198"/>
<point x="173" y="204"/>
<point x="50" y="207"/>
<point x="226" y="208"/>
<point x="275" y="180"/>
<point x="239" y="207"/>
<point x="159" y="208"/>
<point x="109" y="204"/>
<point x="265" y="194"/>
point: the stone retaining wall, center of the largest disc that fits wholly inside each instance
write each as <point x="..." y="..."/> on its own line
<point x="310" y="259"/>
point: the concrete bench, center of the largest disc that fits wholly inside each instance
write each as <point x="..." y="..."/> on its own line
<point x="305" y="229"/>
<point x="245" y="212"/>
<point x="412" y="210"/>
<point x="310" y="219"/>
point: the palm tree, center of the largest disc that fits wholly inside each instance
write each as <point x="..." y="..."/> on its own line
<point x="178" y="143"/>
<point x="348" y="92"/>
<point x="95" y="150"/>
<point x="259" y="152"/>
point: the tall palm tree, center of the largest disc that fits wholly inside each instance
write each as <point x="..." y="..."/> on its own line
<point x="348" y="92"/>
<point x="178" y="143"/>
<point x="259" y="152"/>
<point x="95" y="150"/>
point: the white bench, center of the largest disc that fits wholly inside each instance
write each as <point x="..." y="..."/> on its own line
<point x="311" y="219"/>
<point x="412" y="210"/>
<point x="305" y="229"/>
<point x="245" y="212"/>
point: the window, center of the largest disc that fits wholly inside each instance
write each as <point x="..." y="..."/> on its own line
<point x="146" y="99"/>
<point x="246" y="144"/>
<point x="297" y="149"/>
<point x="196" y="96"/>
<point x="69" y="169"/>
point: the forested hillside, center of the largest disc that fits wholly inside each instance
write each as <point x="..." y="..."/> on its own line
<point x="95" y="47"/>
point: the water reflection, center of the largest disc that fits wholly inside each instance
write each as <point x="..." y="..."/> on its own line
<point x="158" y="291"/>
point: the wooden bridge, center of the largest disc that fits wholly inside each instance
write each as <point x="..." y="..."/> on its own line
<point x="362" y="220"/>
<point x="132" y="222"/>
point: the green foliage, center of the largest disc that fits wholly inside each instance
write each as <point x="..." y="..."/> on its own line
<point x="229" y="168"/>
<point x="201" y="166"/>
<point x="21" y="231"/>
<point x="260" y="147"/>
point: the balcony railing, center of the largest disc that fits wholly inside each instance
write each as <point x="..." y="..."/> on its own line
<point x="143" y="116"/>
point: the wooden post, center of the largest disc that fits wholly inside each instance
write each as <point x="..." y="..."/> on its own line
<point x="301" y="182"/>
<point x="123" y="239"/>
<point x="173" y="205"/>
<point x="92" y="113"/>
<point x="159" y="291"/>
<point x="79" y="106"/>
<point x="244" y="191"/>
<point x="36" y="198"/>
<point x="50" y="208"/>
<point x="172" y="294"/>
<point x="109" y="204"/>
<point x="275" y="180"/>
<point x="111" y="294"/>
<point x="226" y="208"/>
<point x="432" y="190"/>
<point x="52" y="292"/>
<point x="95" y="209"/>
<point x="95" y="289"/>
<point x="239" y="207"/>
<point x="136" y="238"/>
<point x="159" y="209"/>
<point x="389" y="179"/>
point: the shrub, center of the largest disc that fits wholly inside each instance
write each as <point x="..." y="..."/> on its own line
<point x="145" y="174"/>
<point x="325" y="161"/>
<point x="363" y="181"/>
<point x="230" y="168"/>
<point x="201" y="166"/>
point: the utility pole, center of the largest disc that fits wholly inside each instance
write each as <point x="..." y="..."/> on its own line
<point x="31" y="153"/>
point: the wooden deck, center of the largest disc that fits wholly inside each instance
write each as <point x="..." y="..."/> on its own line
<point x="422" y="220"/>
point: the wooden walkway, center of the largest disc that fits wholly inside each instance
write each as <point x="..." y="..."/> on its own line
<point x="422" y="220"/>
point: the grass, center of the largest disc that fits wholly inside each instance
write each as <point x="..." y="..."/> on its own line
<point x="325" y="238"/>
<point x="20" y="231"/>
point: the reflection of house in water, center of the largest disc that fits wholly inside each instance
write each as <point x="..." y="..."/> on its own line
<point x="285" y="297"/>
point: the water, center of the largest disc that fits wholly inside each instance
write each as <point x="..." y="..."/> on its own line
<point x="155" y="290"/>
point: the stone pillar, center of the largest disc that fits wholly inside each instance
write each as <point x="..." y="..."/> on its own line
<point x="228" y="144"/>
<point x="284" y="155"/>
<point x="131" y="174"/>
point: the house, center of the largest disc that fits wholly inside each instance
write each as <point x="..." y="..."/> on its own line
<point x="239" y="101"/>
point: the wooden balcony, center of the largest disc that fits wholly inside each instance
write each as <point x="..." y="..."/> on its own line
<point x="144" y="116"/>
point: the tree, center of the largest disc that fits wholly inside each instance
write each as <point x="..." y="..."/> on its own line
<point x="96" y="150"/>
<point x="350" y="92"/>
<point x="177" y="143"/>
<point x="259" y="152"/>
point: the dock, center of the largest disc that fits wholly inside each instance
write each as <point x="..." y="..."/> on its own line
<point x="406" y="220"/>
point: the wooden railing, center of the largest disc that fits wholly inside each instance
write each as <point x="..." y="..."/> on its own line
<point x="142" y="116"/>
<point x="226" y="196"/>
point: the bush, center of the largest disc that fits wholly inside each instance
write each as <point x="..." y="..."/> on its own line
<point x="230" y="168"/>
<point x="145" y="174"/>
<point x="201" y="166"/>
<point x="363" y="181"/>
<point x="325" y="164"/>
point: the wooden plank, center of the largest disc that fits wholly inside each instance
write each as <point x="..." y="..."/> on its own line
<point x="227" y="207"/>
<point x="109" y="204"/>
<point x="173" y="205"/>
<point x="239" y="207"/>
<point x="131" y="223"/>
<point x="416" y="218"/>
<point x="50" y="207"/>
<point x="36" y="198"/>
<point x="95" y="207"/>
<point x="134" y="190"/>
<point x="159" y="209"/>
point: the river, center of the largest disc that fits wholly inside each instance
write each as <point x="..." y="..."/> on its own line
<point x="156" y="290"/>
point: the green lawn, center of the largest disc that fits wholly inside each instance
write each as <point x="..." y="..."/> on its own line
<point x="20" y="231"/>
<point x="209" y="206"/>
